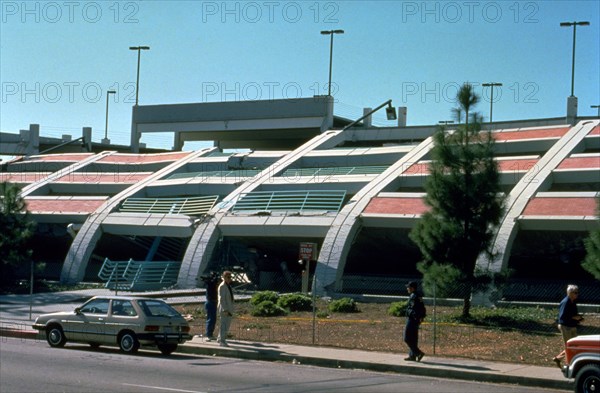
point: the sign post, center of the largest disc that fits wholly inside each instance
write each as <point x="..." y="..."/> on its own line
<point x="308" y="252"/>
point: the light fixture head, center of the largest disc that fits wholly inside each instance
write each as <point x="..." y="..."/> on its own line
<point x="390" y="112"/>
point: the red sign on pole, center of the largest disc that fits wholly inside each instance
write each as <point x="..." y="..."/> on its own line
<point x="308" y="251"/>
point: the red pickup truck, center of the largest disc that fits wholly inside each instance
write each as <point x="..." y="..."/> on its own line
<point x="583" y="363"/>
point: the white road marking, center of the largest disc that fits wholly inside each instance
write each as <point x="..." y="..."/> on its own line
<point x="161" y="388"/>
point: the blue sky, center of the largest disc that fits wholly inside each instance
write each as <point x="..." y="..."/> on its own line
<point x="58" y="59"/>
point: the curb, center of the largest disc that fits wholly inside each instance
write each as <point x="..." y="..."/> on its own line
<point x="15" y="330"/>
<point x="265" y="355"/>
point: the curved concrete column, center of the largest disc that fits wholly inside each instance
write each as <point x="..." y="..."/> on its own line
<point x="206" y="236"/>
<point x="536" y="179"/>
<point x="84" y="243"/>
<point x="337" y="243"/>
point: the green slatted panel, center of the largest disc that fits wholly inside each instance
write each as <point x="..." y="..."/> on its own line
<point x="195" y="206"/>
<point x="329" y="200"/>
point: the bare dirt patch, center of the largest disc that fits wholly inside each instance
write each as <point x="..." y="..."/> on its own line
<point x="374" y="329"/>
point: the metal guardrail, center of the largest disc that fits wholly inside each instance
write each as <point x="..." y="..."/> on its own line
<point x="335" y="171"/>
<point x="301" y="200"/>
<point x="238" y="174"/>
<point x="195" y="206"/>
<point x="139" y="275"/>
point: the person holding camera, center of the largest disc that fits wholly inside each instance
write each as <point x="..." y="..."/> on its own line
<point x="210" y="306"/>
<point x="225" y="307"/>
<point x="568" y="318"/>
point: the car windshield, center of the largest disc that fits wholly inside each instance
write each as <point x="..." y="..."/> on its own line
<point x="157" y="308"/>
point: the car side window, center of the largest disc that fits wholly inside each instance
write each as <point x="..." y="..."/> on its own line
<point x="96" y="306"/>
<point x="123" y="308"/>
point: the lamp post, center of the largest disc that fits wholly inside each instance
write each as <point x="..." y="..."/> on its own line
<point x="596" y="107"/>
<point x="106" y="140"/>
<point x="491" y="85"/>
<point x="331" y="33"/>
<point x="390" y="112"/>
<point x="137" y="83"/>
<point x="446" y="122"/>
<point x="574" y="24"/>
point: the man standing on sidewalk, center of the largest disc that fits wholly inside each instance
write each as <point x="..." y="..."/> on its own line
<point x="211" y="283"/>
<point x="415" y="313"/>
<point x="225" y="307"/>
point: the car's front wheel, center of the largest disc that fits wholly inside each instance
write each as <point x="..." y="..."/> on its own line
<point x="167" y="349"/>
<point x="55" y="336"/>
<point x="128" y="342"/>
<point x="588" y="379"/>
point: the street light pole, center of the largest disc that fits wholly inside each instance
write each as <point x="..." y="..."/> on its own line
<point x="491" y="85"/>
<point x="137" y="83"/>
<point x="331" y="33"/>
<point x="106" y="140"/>
<point x="574" y="24"/>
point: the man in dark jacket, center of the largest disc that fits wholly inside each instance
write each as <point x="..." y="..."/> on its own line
<point x="568" y="318"/>
<point x="415" y="312"/>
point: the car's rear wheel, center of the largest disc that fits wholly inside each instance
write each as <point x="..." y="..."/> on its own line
<point x="55" y="336"/>
<point x="128" y="342"/>
<point x="167" y="349"/>
<point x="588" y="379"/>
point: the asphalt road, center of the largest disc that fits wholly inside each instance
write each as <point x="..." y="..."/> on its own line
<point x="32" y="366"/>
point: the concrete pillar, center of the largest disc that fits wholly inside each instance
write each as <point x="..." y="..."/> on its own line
<point x="33" y="139"/>
<point x="402" y="116"/>
<point x="177" y="142"/>
<point x="367" y="121"/>
<point x="571" y="110"/>
<point x="87" y="138"/>
<point x="135" y="136"/>
<point x="328" y="121"/>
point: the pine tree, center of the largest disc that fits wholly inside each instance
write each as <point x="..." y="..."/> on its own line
<point x="16" y="228"/>
<point x="463" y="194"/>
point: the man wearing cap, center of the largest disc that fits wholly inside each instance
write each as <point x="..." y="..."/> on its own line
<point x="415" y="312"/>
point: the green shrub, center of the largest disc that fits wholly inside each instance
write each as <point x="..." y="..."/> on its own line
<point x="267" y="308"/>
<point x="398" y="309"/>
<point x="260" y="297"/>
<point x="295" y="302"/>
<point x="345" y="304"/>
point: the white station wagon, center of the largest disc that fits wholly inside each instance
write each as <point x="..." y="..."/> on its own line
<point x="127" y="322"/>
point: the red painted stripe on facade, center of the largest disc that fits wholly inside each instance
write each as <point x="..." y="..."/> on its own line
<point x="530" y="134"/>
<point x="143" y="158"/>
<point x="561" y="206"/>
<point x="22" y="177"/>
<point x="63" y="205"/>
<point x="122" y="177"/>
<point x="396" y="206"/>
<point x="523" y="164"/>
<point x="580" y="162"/>
<point x="595" y="131"/>
<point x="62" y="157"/>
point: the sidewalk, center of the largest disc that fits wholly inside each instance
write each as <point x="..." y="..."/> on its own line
<point x="14" y="322"/>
